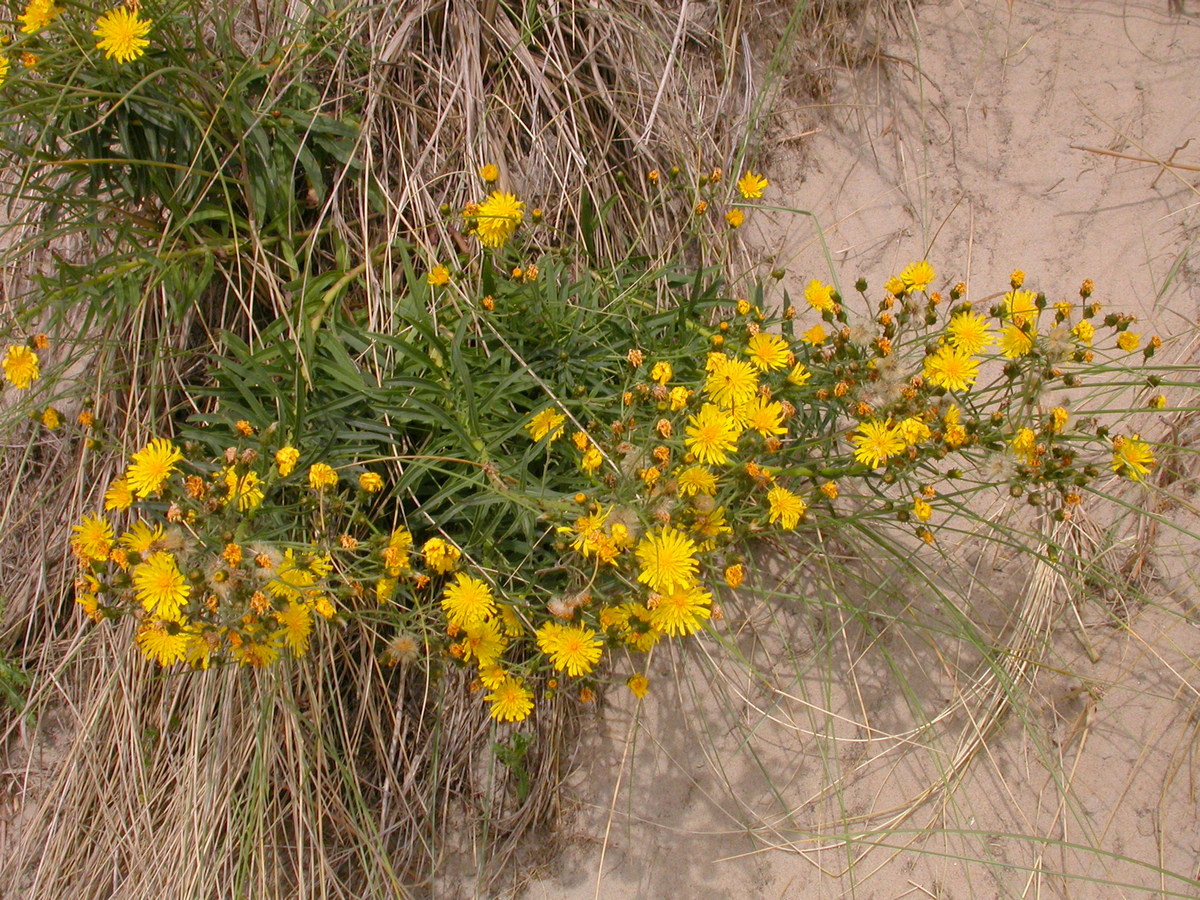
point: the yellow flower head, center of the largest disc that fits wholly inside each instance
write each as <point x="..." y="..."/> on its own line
<point x="152" y="466"/>
<point x="730" y="382"/>
<point x="370" y="482"/>
<point x="712" y="434"/>
<point x="951" y="368"/>
<point x="322" y="476"/>
<point x="121" y="34"/>
<point x="639" y="685"/>
<point x="1020" y="306"/>
<point x="968" y="332"/>
<point x="681" y="611"/>
<point x="468" y="601"/>
<point x="119" y="496"/>
<point x="440" y="555"/>
<point x="767" y="351"/>
<point x="489" y="172"/>
<point x="245" y="491"/>
<point x="877" y="442"/>
<point x="752" y="185"/>
<point x="51" y="418"/>
<point x="438" y="276"/>
<point x="21" y="366"/>
<point x="38" y="14"/>
<point x="285" y="460"/>
<point x="786" y="508"/>
<point x="160" y="587"/>
<point x="1132" y="457"/>
<point x="697" y="480"/>
<point x="815" y="335"/>
<point x="661" y="372"/>
<point x="498" y="218"/>
<point x="1085" y="331"/>
<point x="764" y="416"/>
<point x="1128" y="341"/>
<point x="819" y="296"/>
<point x="735" y="575"/>
<point x="548" y="422"/>
<point x="667" y="558"/>
<point x="511" y="701"/>
<point x="93" y="539"/>
<point x="295" y="627"/>
<point x="162" y="642"/>
<point x="917" y="276"/>
<point x="1016" y="342"/>
<point x="735" y="218"/>
<point x="575" y="648"/>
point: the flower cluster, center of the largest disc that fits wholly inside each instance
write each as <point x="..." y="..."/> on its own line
<point x="120" y="32"/>
<point x="192" y="552"/>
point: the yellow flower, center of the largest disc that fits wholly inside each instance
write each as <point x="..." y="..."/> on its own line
<point x="1128" y="341"/>
<point x="895" y="286"/>
<point x="661" y="372"/>
<point x="711" y="434"/>
<point x="730" y="382"/>
<point x="681" y="611"/>
<point x="678" y="398"/>
<point x="736" y="218"/>
<point x="575" y="648"/>
<point x="819" y="296"/>
<point x="467" y="601"/>
<point x="511" y="701"/>
<point x="592" y="459"/>
<point x="152" y="466"/>
<point x="547" y="422"/>
<point x="767" y="351"/>
<point x="815" y="335"/>
<point x="20" y="364"/>
<point x="1016" y="342"/>
<point x="322" y="476"/>
<point x="752" y="185"/>
<point x="50" y="418"/>
<point x="93" y="539"/>
<point x="440" y="556"/>
<point x="141" y="538"/>
<point x="764" y="416"/>
<point x="162" y="642"/>
<point x="697" y="480"/>
<point x="1020" y="307"/>
<point x="735" y="575"/>
<point x="370" y="482"/>
<point x="922" y="509"/>
<point x="395" y="554"/>
<point x="38" y="14"/>
<point x="296" y="625"/>
<point x="245" y="491"/>
<point x="786" y="508"/>
<point x="969" y="332"/>
<point x="1085" y="331"/>
<point x="285" y="460"/>
<point x="667" y="558"/>
<point x="1058" y="419"/>
<point x="161" y="588"/>
<point x="877" y="442"/>
<point x="489" y="172"/>
<point x="639" y="685"/>
<point x="498" y="218"/>
<point x="951" y="368"/>
<point x="1024" y="444"/>
<point x="799" y="375"/>
<point x="122" y="34"/>
<point x="913" y="430"/>
<point x="438" y="276"/>
<point x="917" y="276"/>
<point x="1132" y="457"/>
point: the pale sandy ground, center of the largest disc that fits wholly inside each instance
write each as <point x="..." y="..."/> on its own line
<point x="713" y="787"/>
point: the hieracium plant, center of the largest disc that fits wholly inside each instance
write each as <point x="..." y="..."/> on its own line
<point x="621" y="510"/>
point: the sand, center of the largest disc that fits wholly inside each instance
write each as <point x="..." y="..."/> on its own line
<point x="1006" y="135"/>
